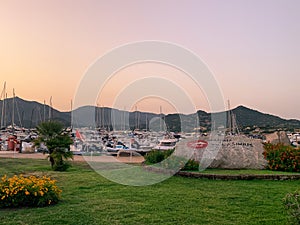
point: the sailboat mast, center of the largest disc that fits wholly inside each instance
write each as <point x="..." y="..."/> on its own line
<point x="97" y="115"/>
<point x="138" y="121"/>
<point x="124" y="119"/>
<point x="146" y="121"/>
<point x="136" y="118"/>
<point x="3" y="105"/>
<point x="44" y="111"/>
<point x="31" y="118"/>
<point x="229" y="118"/>
<point x="160" y="121"/>
<point x="13" y="112"/>
<point x="232" y="124"/>
<point x="50" y="108"/>
<point x="71" y="114"/>
<point x="100" y="117"/>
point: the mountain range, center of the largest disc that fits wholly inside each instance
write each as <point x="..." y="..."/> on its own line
<point x="30" y="113"/>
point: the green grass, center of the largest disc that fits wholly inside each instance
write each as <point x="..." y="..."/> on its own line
<point x="89" y="198"/>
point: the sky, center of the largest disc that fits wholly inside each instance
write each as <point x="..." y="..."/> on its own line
<point x="251" y="48"/>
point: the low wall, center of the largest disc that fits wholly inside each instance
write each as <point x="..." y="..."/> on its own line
<point x="239" y="176"/>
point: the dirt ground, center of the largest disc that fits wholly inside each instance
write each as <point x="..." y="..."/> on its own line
<point x="127" y="159"/>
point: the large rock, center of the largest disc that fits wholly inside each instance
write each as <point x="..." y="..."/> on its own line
<point x="278" y="137"/>
<point x="234" y="152"/>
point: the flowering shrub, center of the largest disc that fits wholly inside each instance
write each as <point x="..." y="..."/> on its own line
<point x="28" y="191"/>
<point x="282" y="158"/>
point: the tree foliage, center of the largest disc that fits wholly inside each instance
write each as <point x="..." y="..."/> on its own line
<point x="57" y="140"/>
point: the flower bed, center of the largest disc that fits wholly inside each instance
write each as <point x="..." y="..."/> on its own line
<point x="20" y="191"/>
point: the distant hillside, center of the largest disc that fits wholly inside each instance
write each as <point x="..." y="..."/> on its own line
<point x="108" y="118"/>
<point x="31" y="113"/>
<point x="250" y="117"/>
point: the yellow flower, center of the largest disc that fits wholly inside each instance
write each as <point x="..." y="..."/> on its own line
<point x="28" y="185"/>
<point x="4" y="178"/>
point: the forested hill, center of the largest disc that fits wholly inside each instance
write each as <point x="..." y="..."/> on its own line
<point x="30" y="113"/>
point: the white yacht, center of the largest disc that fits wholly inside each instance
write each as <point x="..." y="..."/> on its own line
<point x="166" y="144"/>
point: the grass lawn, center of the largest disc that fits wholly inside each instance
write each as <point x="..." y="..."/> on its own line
<point x="88" y="198"/>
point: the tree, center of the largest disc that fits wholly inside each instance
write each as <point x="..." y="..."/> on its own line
<point x="58" y="141"/>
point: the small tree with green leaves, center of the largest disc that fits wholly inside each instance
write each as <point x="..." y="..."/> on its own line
<point x="58" y="141"/>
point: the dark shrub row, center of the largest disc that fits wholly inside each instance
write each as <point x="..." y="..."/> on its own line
<point x="169" y="161"/>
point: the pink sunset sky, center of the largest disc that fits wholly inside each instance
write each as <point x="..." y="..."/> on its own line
<point x="251" y="47"/>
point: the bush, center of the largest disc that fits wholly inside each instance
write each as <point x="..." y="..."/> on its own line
<point x="191" y="165"/>
<point x="156" y="156"/>
<point x="28" y="191"/>
<point x="173" y="162"/>
<point x="291" y="204"/>
<point x="282" y="158"/>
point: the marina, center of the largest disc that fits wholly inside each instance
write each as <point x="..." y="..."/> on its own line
<point x="236" y="149"/>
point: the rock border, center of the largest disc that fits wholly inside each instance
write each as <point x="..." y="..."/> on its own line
<point x="239" y="176"/>
<point x="225" y="176"/>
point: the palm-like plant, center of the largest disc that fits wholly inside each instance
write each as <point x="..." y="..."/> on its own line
<point x="58" y="141"/>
